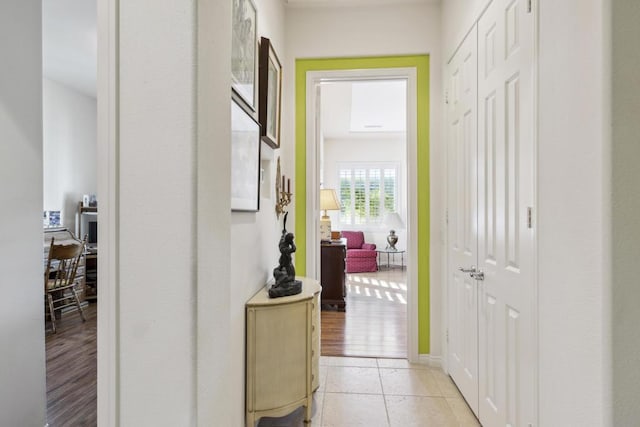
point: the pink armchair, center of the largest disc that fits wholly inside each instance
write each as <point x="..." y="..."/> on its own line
<point x="361" y="256"/>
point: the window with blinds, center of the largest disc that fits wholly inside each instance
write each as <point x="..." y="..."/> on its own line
<point x="367" y="193"/>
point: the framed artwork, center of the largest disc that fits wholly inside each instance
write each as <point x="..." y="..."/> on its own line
<point x="245" y="160"/>
<point x="244" y="51"/>
<point x="269" y="95"/>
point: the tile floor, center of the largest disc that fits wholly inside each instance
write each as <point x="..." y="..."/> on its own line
<point x="381" y="392"/>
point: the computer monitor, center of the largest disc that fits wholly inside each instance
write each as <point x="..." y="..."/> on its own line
<point x="93" y="232"/>
<point x="89" y="227"/>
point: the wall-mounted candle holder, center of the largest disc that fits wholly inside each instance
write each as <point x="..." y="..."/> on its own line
<point x="283" y="197"/>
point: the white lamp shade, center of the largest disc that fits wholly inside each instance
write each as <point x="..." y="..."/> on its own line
<point x="393" y="221"/>
<point x="329" y="200"/>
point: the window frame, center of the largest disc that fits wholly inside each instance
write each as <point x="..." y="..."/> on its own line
<point x="367" y="166"/>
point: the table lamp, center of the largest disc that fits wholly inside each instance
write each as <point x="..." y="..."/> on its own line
<point x="394" y="222"/>
<point x="328" y="202"/>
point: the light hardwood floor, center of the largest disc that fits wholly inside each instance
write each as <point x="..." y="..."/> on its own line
<point x="375" y="321"/>
<point x="72" y="370"/>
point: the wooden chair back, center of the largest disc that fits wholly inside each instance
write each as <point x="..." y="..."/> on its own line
<point x="62" y="264"/>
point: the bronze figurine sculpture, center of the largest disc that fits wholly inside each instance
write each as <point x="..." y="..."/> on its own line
<point x="285" y="273"/>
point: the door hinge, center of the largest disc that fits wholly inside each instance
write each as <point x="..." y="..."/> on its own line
<point x="529" y="217"/>
<point x="446" y="97"/>
<point x="446" y="217"/>
<point x="447" y="335"/>
<point x="529" y="6"/>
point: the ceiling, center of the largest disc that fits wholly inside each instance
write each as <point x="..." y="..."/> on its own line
<point x="70" y="43"/>
<point x="69" y="38"/>
<point x="372" y="109"/>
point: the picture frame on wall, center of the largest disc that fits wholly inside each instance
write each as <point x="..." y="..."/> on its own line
<point x="244" y="58"/>
<point x="245" y="159"/>
<point x="270" y="93"/>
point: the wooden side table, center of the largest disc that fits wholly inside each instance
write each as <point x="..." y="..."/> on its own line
<point x="283" y="352"/>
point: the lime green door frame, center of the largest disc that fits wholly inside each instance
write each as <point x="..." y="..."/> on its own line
<point x="421" y="64"/>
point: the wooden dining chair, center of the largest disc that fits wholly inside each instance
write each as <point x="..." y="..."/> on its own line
<point x="61" y="280"/>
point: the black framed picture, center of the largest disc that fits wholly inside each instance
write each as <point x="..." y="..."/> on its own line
<point x="270" y="93"/>
<point x="244" y="41"/>
<point x="245" y="160"/>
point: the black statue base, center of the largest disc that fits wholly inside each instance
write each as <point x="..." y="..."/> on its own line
<point x="285" y="273"/>
<point x="285" y="289"/>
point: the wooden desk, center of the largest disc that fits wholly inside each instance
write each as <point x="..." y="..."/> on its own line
<point x="91" y="275"/>
<point x="332" y="273"/>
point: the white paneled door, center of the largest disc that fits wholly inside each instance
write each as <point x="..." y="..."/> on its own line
<point x="504" y="233"/>
<point x="462" y="162"/>
<point x="507" y="352"/>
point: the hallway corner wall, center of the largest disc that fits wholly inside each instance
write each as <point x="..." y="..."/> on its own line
<point x="255" y="236"/>
<point x="625" y="205"/>
<point x="154" y="198"/>
<point x="22" y="342"/>
<point x="572" y="222"/>
<point x="180" y="264"/>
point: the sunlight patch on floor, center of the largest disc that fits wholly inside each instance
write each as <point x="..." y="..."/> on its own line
<point x="373" y="286"/>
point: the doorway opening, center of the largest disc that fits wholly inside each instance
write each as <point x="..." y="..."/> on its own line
<point x="69" y="131"/>
<point x="362" y="142"/>
<point x="311" y="75"/>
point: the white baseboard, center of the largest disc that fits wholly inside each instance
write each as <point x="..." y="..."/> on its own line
<point x="430" y="360"/>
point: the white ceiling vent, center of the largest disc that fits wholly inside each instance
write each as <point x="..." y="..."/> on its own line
<point x="379" y="106"/>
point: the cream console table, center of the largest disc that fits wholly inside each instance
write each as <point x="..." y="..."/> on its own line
<point x="283" y="352"/>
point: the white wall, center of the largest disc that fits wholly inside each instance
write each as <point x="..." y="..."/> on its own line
<point x="156" y="231"/>
<point x="22" y="377"/>
<point x="377" y="31"/>
<point x="573" y="232"/>
<point x="625" y="316"/>
<point x="372" y="150"/>
<point x="180" y="265"/>
<point x="457" y="18"/>
<point x="69" y="144"/>
<point x="255" y="236"/>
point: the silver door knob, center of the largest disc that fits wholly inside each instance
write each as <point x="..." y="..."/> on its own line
<point x="479" y="275"/>
<point x="470" y="270"/>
